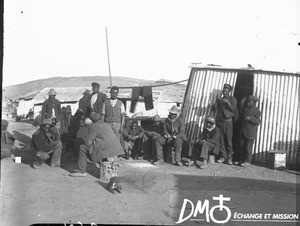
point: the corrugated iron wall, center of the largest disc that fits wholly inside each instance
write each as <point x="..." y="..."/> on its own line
<point x="204" y="86"/>
<point x="279" y="103"/>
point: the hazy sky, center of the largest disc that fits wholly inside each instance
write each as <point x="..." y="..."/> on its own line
<point x="147" y="39"/>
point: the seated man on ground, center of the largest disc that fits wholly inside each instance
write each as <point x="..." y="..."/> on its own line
<point x="100" y="144"/>
<point x="174" y="132"/>
<point x="7" y="141"/>
<point x="210" y="142"/>
<point x="133" y="136"/>
<point x="46" y="141"/>
<point x="157" y="139"/>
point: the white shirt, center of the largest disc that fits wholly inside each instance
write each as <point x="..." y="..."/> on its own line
<point x="93" y="99"/>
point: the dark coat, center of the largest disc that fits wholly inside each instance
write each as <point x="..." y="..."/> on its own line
<point x="177" y="128"/>
<point x="98" y="105"/>
<point x="128" y="133"/>
<point x="249" y="128"/>
<point x="215" y="138"/>
<point x="46" y="142"/>
<point x="8" y="142"/>
<point x="47" y="107"/>
<point x="102" y="141"/>
<point x="224" y="111"/>
<point x="83" y="103"/>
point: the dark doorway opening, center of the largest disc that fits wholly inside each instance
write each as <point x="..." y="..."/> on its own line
<point x="243" y="88"/>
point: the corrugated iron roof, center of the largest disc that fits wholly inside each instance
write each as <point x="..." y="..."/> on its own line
<point x="249" y="69"/>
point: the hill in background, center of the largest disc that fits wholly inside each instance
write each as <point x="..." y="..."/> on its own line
<point x="84" y="81"/>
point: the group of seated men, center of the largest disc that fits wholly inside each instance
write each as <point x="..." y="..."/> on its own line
<point x="102" y="139"/>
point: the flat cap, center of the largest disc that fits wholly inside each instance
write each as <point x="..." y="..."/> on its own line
<point x="253" y="98"/>
<point x="227" y="86"/>
<point x="95" y="84"/>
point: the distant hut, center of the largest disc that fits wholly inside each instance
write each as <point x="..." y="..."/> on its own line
<point x="25" y="103"/>
<point x="66" y="96"/>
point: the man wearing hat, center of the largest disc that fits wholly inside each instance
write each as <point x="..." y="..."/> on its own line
<point x="157" y="140"/>
<point x="100" y="143"/>
<point x="210" y="142"/>
<point x="95" y="100"/>
<point x="250" y="119"/>
<point x="46" y="141"/>
<point x="51" y="108"/>
<point x="133" y="137"/>
<point x="83" y="102"/>
<point x="174" y="132"/>
<point x="225" y="109"/>
<point x="7" y="141"/>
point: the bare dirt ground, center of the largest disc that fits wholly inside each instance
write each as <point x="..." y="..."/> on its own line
<point x="151" y="195"/>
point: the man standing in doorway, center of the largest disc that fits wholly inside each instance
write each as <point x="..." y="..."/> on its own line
<point x="224" y="109"/>
<point x="95" y="100"/>
<point x="249" y="121"/>
<point x="51" y="108"/>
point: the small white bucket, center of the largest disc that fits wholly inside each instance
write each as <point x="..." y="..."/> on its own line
<point x="17" y="159"/>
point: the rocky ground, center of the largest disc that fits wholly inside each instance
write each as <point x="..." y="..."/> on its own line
<point x="150" y="194"/>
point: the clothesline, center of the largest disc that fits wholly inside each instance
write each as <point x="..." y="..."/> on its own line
<point x="166" y="84"/>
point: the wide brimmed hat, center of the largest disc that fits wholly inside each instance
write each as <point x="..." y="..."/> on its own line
<point x="174" y="110"/>
<point x="157" y="118"/>
<point x="227" y="86"/>
<point x="95" y="84"/>
<point x="52" y="92"/>
<point x="210" y="119"/>
<point x="47" y="121"/>
<point x="253" y="98"/>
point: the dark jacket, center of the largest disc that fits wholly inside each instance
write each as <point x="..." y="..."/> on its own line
<point x="249" y="128"/>
<point x="128" y="133"/>
<point x="102" y="142"/>
<point x="9" y="141"/>
<point x="224" y="111"/>
<point x="46" y="142"/>
<point x="83" y="103"/>
<point x="213" y="137"/>
<point x="98" y="105"/>
<point x="47" y="107"/>
<point x="176" y="128"/>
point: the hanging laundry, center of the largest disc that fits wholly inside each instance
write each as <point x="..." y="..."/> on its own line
<point x="146" y="92"/>
<point x="148" y="99"/>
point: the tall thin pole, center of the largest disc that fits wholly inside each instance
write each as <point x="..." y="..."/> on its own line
<point x="108" y="58"/>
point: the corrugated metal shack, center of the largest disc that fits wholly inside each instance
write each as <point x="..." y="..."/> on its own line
<point x="279" y="98"/>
